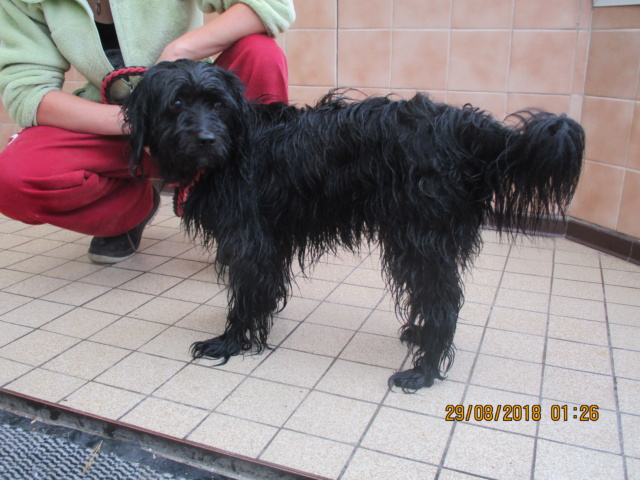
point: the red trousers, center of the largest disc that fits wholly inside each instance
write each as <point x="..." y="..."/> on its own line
<point x="81" y="182"/>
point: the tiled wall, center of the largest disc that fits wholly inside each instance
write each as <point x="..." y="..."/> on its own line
<point x="500" y="55"/>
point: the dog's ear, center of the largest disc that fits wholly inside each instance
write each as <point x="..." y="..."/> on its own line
<point x="232" y="85"/>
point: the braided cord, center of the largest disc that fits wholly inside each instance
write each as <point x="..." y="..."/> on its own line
<point x="115" y="76"/>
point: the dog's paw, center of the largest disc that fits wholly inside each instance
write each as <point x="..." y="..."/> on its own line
<point x="218" y="348"/>
<point x="411" y="380"/>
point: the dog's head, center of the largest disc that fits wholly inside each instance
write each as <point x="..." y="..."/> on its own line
<point x="188" y="114"/>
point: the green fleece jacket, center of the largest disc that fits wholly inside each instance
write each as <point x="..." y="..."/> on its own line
<point x="41" y="39"/>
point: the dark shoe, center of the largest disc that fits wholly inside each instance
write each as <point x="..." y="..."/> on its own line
<point x="118" y="248"/>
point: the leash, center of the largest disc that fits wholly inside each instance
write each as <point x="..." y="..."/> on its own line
<point x="114" y="76"/>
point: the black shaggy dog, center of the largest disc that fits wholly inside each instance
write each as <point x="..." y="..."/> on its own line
<point x="274" y="183"/>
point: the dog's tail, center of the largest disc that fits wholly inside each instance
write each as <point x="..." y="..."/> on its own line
<point x="536" y="173"/>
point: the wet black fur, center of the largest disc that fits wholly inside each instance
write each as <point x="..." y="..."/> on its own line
<point x="282" y="183"/>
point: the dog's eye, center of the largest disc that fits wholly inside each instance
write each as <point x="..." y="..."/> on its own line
<point x="217" y="106"/>
<point x="176" y="104"/>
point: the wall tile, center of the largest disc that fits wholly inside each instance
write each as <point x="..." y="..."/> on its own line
<point x="553" y="103"/>
<point x="311" y="55"/>
<point x="316" y="14"/>
<point x="616" y="17"/>
<point x="633" y="155"/>
<point x="546" y="14"/>
<point x="613" y="64"/>
<point x="607" y="124"/>
<point x="542" y="62"/>
<point x="364" y="58"/>
<point x="629" y="221"/>
<point x="419" y="59"/>
<point x="597" y="198"/>
<point x="484" y="15"/>
<point x="365" y="13"/>
<point x="479" y="60"/>
<point x="421" y="14"/>
<point x="580" y="62"/>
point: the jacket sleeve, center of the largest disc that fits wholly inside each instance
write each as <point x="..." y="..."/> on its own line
<point x="276" y="15"/>
<point x="30" y="63"/>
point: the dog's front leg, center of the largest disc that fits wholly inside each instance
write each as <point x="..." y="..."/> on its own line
<point x="257" y="283"/>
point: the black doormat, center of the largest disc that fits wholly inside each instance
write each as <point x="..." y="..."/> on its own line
<point x="33" y="450"/>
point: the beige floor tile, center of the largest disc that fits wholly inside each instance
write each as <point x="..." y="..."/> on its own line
<point x="165" y="417"/>
<point x="309" y="454"/>
<point x="375" y="350"/>
<point x="35" y="313"/>
<point x="80" y="323"/>
<point x="578" y="356"/>
<point x="151" y="283"/>
<point x="174" y="343"/>
<point x="76" y="293"/>
<point x="578" y="289"/>
<point x="408" y="435"/>
<point x="12" y="278"/>
<point x="482" y="276"/>
<point x="531" y="301"/>
<point x="119" y="302"/>
<point x="140" y="373"/>
<point x="9" y="332"/>
<point x="280" y="330"/>
<point x="45" y="385"/>
<point x="468" y="337"/>
<point x="631" y="435"/>
<point x="163" y="310"/>
<point x="431" y="401"/>
<point x="180" y="268"/>
<point x="629" y="396"/>
<point x="199" y="386"/>
<point x="492" y="453"/>
<point x="10" y="370"/>
<point x="298" y="308"/>
<point x="111" y="277"/>
<point x="37" y="246"/>
<point x="601" y="434"/>
<point x="205" y="318"/>
<point x="36" y="347"/>
<point x="8" y="302"/>
<point x="374" y="465"/>
<point x="623" y="295"/>
<point x="128" y="333"/>
<point x="614" y="263"/>
<point x="103" y="400"/>
<point x="192" y="291"/>
<point x="239" y="436"/>
<point x="318" y="339"/>
<point x="562" y="385"/>
<point x="490" y="262"/>
<point x="556" y="461"/>
<point x="507" y="374"/>
<point x="167" y="248"/>
<point x="382" y="323"/>
<point x="8" y="258"/>
<point x="73" y="270"/>
<point x="356" y="380"/>
<point x="626" y="363"/>
<point x="341" y="316"/>
<point x="529" y="283"/>
<point x="528" y="267"/>
<point x="70" y="251"/>
<point x="623" y="314"/>
<point x="86" y="360"/>
<point x="577" y="308"/>
<point x="293" y="368"/>
<point x="576" y="330"/>
<point x="519" y="346"/>
<point x="36" y="286"/>
<point x="142" y="262"/>
<point x="264" y="402"/>
<point x="38" y="264"/>
<point x="584" y="259"/>
<point x="474" y="313"/>
<point x="626" y="337"/>
<point x="622" y="278"/>
<point x="367" y="277"/>
<point x="462" y="365"/>
<point x="332" y="417"/>
<point x="356" y="295"/>
<point x="512" y="412"/>
<point x="331" y="272"/>
<point x="576" y="272"/>
<point x="483" y="294"/>
<point x="10" y="241"/>
<point x="312" y="289"/>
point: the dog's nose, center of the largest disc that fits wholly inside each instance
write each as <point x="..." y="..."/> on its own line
<point x="206" y="139"/>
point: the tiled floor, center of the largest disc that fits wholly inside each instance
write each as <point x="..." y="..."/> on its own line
<point x="555" y="325"/>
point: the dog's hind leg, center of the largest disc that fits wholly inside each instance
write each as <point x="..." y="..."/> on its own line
<point x="428" y="293"/>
